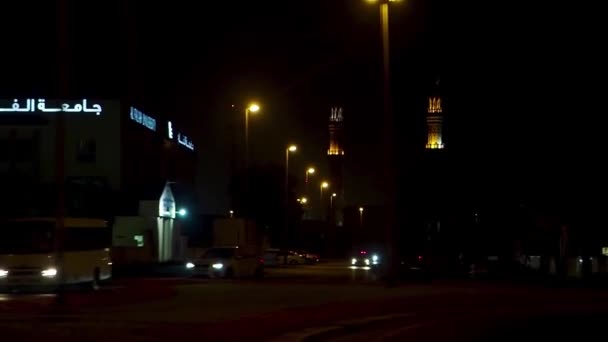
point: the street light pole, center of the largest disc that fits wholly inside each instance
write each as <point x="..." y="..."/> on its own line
<point x="252" y="108"/>
<point x="309" y="171"/>
<point x="324" y="185"/>
<point x="360" y="217"/>
<point x="388" y="164"/>
<point x="291" y="148"/>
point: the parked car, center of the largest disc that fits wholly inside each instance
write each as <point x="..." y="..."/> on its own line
<point x="291" y="258"/>
<point x="310" y="258"/>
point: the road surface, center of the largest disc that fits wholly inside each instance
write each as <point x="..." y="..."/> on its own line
<point x="326" y="302"/>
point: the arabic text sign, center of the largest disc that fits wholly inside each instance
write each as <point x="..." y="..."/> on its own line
<point x="181" y="139"/>
<point x="39" y="106"/>
<point x="142" y="119"/>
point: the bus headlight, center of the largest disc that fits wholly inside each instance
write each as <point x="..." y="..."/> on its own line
<point x="189" y="265"/>
<point x="3" y="273"/>
<point x="49" y="272"/>
<point x="218" y="266"/>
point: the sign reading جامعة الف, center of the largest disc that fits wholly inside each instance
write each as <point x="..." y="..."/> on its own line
<point x="40" y="106"/>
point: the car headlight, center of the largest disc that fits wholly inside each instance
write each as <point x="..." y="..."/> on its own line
<point x="49" y="272"/>
<point x="374" y="258"/>
<point x="367" y="261"/>
<point x="189" y="265"/>
<point x="218" y="266"/>
<point x="3" y="273"/>
<point x="354" y="261"/>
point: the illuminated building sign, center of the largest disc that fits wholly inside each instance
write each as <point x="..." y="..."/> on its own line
<point x="40" y="106"/>
<point x="170" y="130"/>
<point x="142" y="119"/>
<point x="181" y="138"/>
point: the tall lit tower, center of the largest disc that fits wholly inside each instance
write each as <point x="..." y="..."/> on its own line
<point x="434" y="122"/>
<point x="335" y="154"/>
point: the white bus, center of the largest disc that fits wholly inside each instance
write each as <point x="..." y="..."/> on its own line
<point x="28" y="254"/>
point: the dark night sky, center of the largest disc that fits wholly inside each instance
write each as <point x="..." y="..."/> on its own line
<point x="514" y="76"/>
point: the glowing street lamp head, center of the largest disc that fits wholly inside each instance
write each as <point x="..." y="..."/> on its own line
<point x="254" y="108"/>
<point x="310" y="170"/>
<point x="325" y="185"/>
<point x="334" y="195"/>
<point x="360" y="209"/>
<point x="292" y="148"/>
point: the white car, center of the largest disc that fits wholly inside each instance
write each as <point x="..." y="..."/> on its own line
<point x="226" y="262"/>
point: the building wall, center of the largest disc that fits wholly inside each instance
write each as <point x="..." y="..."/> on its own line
<point x="28" y="141"/>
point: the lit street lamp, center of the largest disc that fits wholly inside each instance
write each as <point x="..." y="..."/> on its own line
<point x="292" y="149"/>
<point x="309" y="171"/>
<point x="303" y="200"/>
<point x="361" y="217"/>
<point x="231" y="213"/>
<point x="331" y="200"/>
<point x="252" y="108"/>
<point x="324" y="185"/>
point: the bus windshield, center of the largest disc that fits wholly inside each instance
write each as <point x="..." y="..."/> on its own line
<point x="26" y="237"/>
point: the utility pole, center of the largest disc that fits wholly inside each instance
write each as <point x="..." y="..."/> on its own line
<point x="388" y="162"/>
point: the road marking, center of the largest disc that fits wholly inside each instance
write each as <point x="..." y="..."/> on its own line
<point x="397" y="332"/>
<point x="312" y="333"/>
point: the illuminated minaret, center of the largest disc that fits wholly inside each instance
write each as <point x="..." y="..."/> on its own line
<point x="335" y="154"/>
<point x="434" y="123"/>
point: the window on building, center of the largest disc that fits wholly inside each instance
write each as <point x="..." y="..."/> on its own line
<point x="87" y="151"/>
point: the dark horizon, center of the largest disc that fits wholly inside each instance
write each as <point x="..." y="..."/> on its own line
<point x="514" y="120"/>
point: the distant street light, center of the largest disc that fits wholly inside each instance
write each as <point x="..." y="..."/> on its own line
<point x="309" y="171"/>
<point x="252" y="108"/>
<point x="303" y="200"/>
<point x="292" y="149"/>
<point x="231" y="213"/>
<point x="331" y="200"/>
<point x="361" y="217"/>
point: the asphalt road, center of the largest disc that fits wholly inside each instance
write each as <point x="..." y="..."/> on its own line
<point x="326" y="302"/>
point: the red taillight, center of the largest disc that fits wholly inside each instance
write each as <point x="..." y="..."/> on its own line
<point x="420" y="258"/>
<point x="363" y="252"/>
<point x="260" y="261"/>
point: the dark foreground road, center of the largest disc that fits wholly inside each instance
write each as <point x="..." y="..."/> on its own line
<point x="327" y="303"/>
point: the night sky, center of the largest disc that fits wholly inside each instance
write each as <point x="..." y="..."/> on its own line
<point x="515" y="79"/>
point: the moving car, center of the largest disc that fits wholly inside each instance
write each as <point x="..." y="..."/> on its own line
<point x="364" y="258"/>
<point x="227" y="262"/>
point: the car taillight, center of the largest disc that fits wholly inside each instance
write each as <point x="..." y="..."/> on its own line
<point x="260" y="261"/>
<point x="420" y="258"/>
